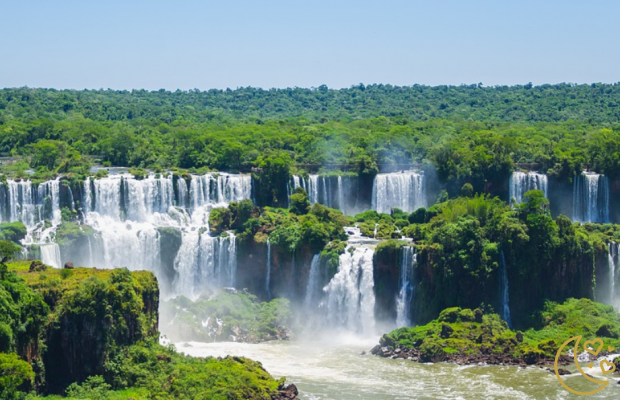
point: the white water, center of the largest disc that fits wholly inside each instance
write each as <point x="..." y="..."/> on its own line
<point x="405" y="293"/>
<point x="612" y="262"/>
<point x="521" y="182"/>
<point x="333" y="369"/>
<point x="591" y="198"/>
<point x="312" y="288"/>
<point x="350" y="298"/>
<point x="268" y="275"/>
<point x="504" y="291"/>
<point x="127" y="214"/>
<point x="404" y="190"/>
<point x="339" y="192"/>
<point x="50" y="255"/>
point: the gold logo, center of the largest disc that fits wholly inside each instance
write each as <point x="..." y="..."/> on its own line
<point x="605" y="365"/>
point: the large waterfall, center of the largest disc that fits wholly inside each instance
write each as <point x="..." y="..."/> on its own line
<point x="404" y="190"/>
<point x="405" y="293"/>
<point x="129" y="217"/>
<point x="504" y="290"/>
<point x="591" y="198"/>
<point x="521" y="182"/>
<point x="350" y="298"/>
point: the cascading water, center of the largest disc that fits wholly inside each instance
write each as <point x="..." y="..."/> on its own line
<point x="312" y="288"/>
<point x="339" y="192"/>
<point x="268" y="275"/>
<point x="521" y="182"/>
<point x="404" y="190"/>
<point x="128" y="216"/>
<point x="50" y="255"/>
<point x="591" y="198"/>
<point x="612" y="262"/>
<point x="503" y="289"/>
<point x="350" y="298"/>
<point x="405" y="294"/>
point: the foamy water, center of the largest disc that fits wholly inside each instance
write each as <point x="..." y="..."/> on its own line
<point x="335" y="370"/>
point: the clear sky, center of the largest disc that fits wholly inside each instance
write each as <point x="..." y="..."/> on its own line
<point x="185" y="44"/>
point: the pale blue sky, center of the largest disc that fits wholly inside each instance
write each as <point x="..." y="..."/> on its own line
<point x="217" y="44"/>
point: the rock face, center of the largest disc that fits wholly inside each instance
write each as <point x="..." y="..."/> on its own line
<point x="68" y="265"/>
<point x="110" y="309"/>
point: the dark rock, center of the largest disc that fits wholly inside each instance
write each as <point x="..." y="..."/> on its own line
<point x="69" y="265"/>
<point x="520" y="337"/>
<point x="37" y="266"/>
<point x="289" y="392"/>
<point x="446" y="331"/>
<point x="478" y="315"/>
<point x="363" y="353"/>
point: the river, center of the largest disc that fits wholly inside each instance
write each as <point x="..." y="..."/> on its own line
<point x="336" y="370"/>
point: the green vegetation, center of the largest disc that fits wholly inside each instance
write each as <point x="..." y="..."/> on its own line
<point x="111" y="317"/>
<point x="289" y="229"/>
<point x="459" y="244"/>
<point x="243" y="318"/>
<point x="469" y="134"/>
<point x="472" y="335"/>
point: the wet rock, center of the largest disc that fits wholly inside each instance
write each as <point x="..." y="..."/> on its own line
<point x="520" y="337"/>
<point x="68" y="265"/>
<point x="289" y="392"/>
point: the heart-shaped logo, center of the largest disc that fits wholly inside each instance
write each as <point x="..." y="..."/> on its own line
<point x="586" y="346"/>
<point x="605" y="365"/>
<point x="590" y="365"/>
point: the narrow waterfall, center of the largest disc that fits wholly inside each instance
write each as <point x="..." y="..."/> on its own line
<point x="612" y="262"/>
<point x="521" y="182"/>
<point x="404" y="190"/>
<point x="591" y="198"/>
<point x="350" y="298"/>
<point x="50" y="255"/>
<point x="503" y="290"/>
<point x="312" y="288"/>
<point x="313" y="189"/>
<point x="405" y="294"/>
<point x="268" y="275"/>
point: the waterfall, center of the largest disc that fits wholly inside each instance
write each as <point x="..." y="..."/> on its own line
<point x="612" y="262"/>
<point x="50" y="255"/>
<point x="504" y="295"/>
<point x="521" y="182"/>
<point x="312" y="288"/>
<point x="404" y="190"/>
<point x="182" y="193"/>
<point x="349" y="295"/>
<point x="339" y="192"/>
<point x="313" y="189"/>
<point x="405" y="294"/>
<point x="268" y="275"/>
<point x="591" y="198"/>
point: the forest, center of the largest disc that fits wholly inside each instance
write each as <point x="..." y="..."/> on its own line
<point x="471" y="133"/>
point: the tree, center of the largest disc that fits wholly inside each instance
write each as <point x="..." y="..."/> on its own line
<point x="299" y="202"/>
<point x="13" y="373"/>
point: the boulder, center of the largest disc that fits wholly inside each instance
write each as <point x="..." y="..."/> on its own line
<point x="446" y="331"/>
<point x="68" y="265"/>
<point x="37" y="266"/>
